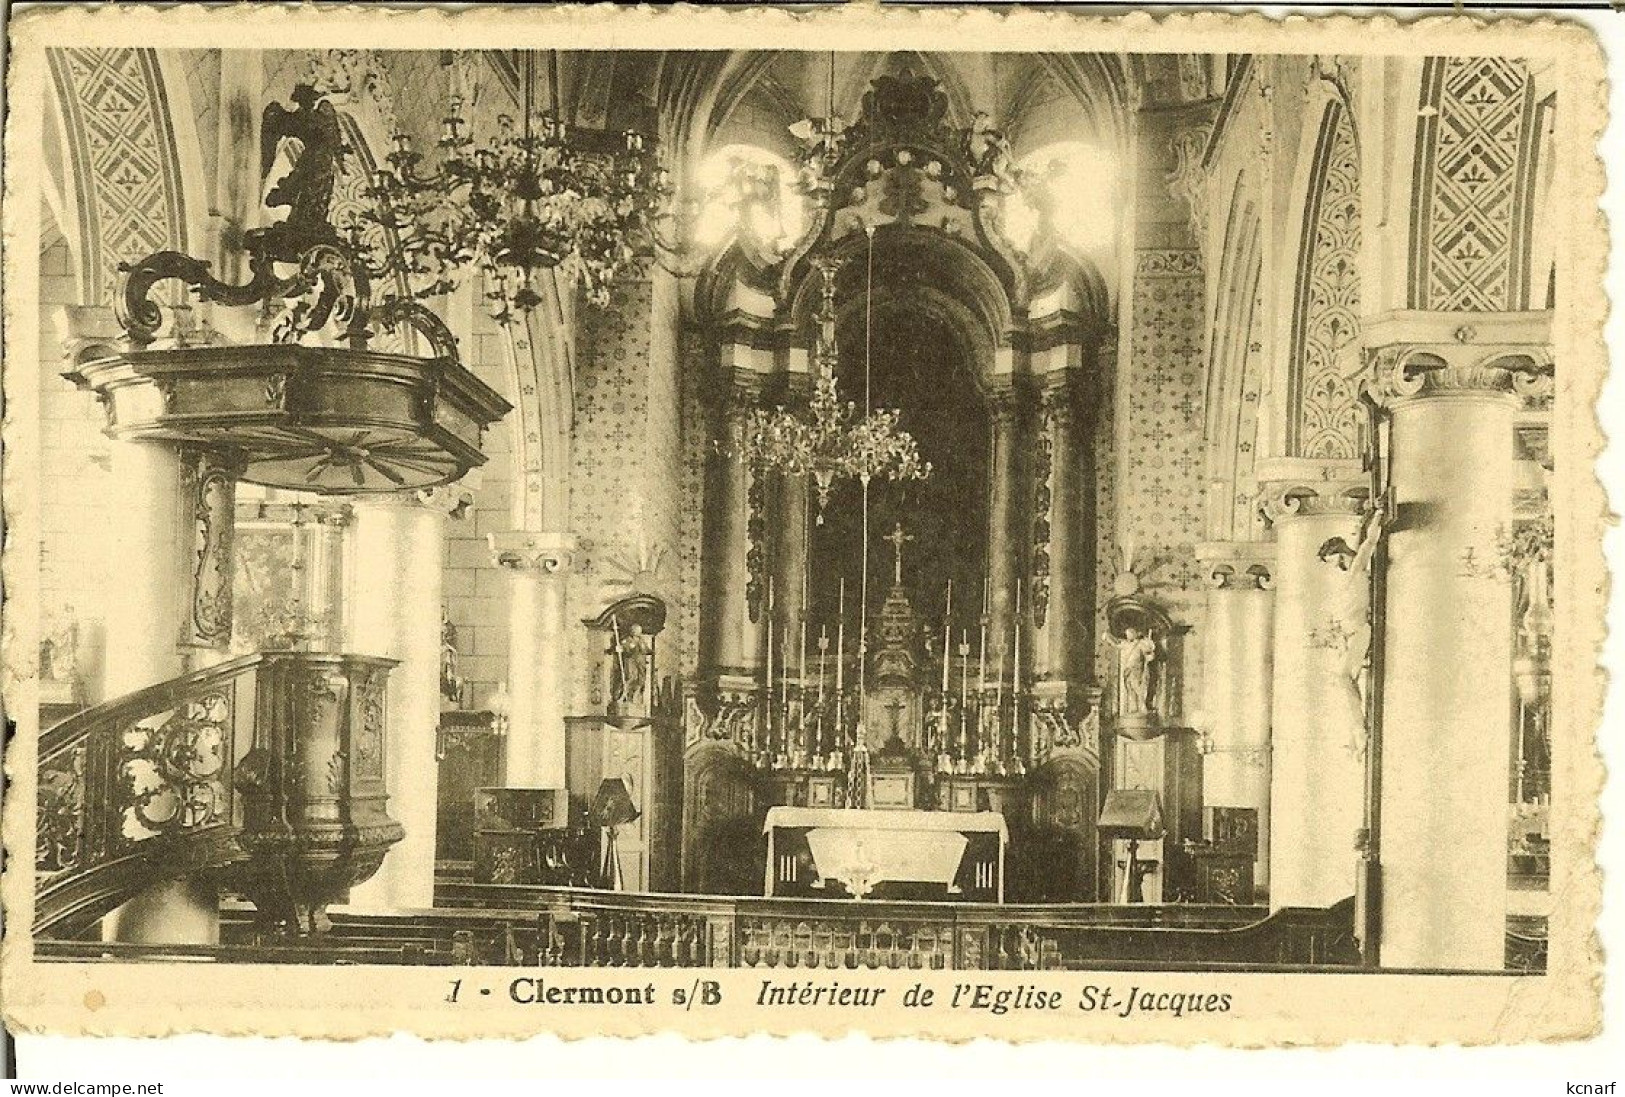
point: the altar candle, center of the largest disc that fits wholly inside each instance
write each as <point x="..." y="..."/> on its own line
<point x="998" y="688"/>
<point x="1015" y="673"/>
<point x="947" y="616"/>
<point x="801" y="669"/>
<point x="823" y="660"/>
<point x="823" y="665"/>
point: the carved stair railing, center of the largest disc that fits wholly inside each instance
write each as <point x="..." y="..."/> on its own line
<point x="264" y="772"/>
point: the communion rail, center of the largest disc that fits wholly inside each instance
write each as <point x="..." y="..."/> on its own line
<point x="566" y="927"/>
<point x="604" y="929"/>
<point x="219" y="772"/>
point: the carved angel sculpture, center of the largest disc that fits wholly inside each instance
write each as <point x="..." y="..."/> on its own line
<point x="307" y="189"/>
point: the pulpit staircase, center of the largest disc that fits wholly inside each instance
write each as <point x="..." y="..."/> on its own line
<point x="263" y="773"/>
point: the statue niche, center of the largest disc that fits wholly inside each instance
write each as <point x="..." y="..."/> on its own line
<point x="628" y="661"/>
<point x="1143" y="638"/>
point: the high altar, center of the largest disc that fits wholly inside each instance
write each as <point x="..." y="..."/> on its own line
<point x="918" y="743"/>
<point x="991" y="705"/>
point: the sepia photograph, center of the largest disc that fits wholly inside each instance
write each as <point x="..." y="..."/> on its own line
<point x="1076" y="520"/>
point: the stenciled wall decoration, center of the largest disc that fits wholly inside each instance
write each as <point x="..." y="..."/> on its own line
<point x="1325" y="417"/>
<point x="124" y="161"/>
<point x="1475" y="166"/>
<point x="1160" y="474"/>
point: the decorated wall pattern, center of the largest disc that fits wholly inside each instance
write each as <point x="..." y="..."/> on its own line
<point x="1475" y="162"/>
<point x="1160" y="472"/>
<point x="124" y="160"/>
<point x="609" y="460"/>
<point x="1103" y="445"/>
<point x="695" y="443"/>
<point x="1324" y="418"/>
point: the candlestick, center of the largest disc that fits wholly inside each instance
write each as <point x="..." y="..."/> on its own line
<point x="964" y="687"/>
<point x="981" y="681"/>
<point x="784" y="696"/>
<point x="947" y="618"/>
<point x="840" y="665"/>
<point x="768" y="692"/>
<point x="1015" y="678"/>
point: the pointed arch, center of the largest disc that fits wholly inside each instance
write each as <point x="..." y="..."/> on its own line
<point x="1234" y="366"/>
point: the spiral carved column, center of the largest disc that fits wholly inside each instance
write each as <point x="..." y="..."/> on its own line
<point x="739" y="567"/>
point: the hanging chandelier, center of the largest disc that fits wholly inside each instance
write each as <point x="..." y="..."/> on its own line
<point x="539" y="195"/>
<point x="829" y="441"/>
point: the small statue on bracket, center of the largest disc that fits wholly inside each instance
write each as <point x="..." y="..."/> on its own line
<point x="631" y="668"/>
<point x="1144" y="669"/>
<point x="1136" y="665"/>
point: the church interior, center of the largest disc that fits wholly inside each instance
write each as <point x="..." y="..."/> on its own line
<point x="789" y="508"/>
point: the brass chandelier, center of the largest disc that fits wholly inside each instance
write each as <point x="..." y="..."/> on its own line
<point x="829" y="441"/>
<point x="539" y="195"/>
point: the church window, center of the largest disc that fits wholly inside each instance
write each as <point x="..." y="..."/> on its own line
<point x="1067" y="189"/>
<point x="747" y="191"/>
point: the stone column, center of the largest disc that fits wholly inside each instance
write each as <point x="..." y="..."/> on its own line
<point x="1005" y="534"/>
<point x="170" y="612"/>
<point x="146" y="548"/>
<point x="1237" y="646"/>
<point x="738" y="576"/>
<point x="1317" y="722"/>
<point x="1448" y="640"/>
<point x="790" y="567"/>
<point x="398" y="547"/>
<point x="538" y="655"/>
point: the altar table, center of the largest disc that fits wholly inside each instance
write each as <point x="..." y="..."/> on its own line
<point x="850" y="853"/>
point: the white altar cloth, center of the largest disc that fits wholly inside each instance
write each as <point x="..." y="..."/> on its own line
<point x="861" y="848"/>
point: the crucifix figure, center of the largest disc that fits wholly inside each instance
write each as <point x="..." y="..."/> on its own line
<point x="895" y="709"/>
<point x="898" y="539"/>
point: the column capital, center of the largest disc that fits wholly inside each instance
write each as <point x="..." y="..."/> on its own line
<point x="1007" y="396"/>
<point x="740" y="395"/>
<point x="1284" y="499"/>
<point x="1063" y="393"/>
<point x="1238" y="565"/>
<point x="1464" y="369"/>
<point x="452" y="500"/>
<point x="531" y="551"/>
